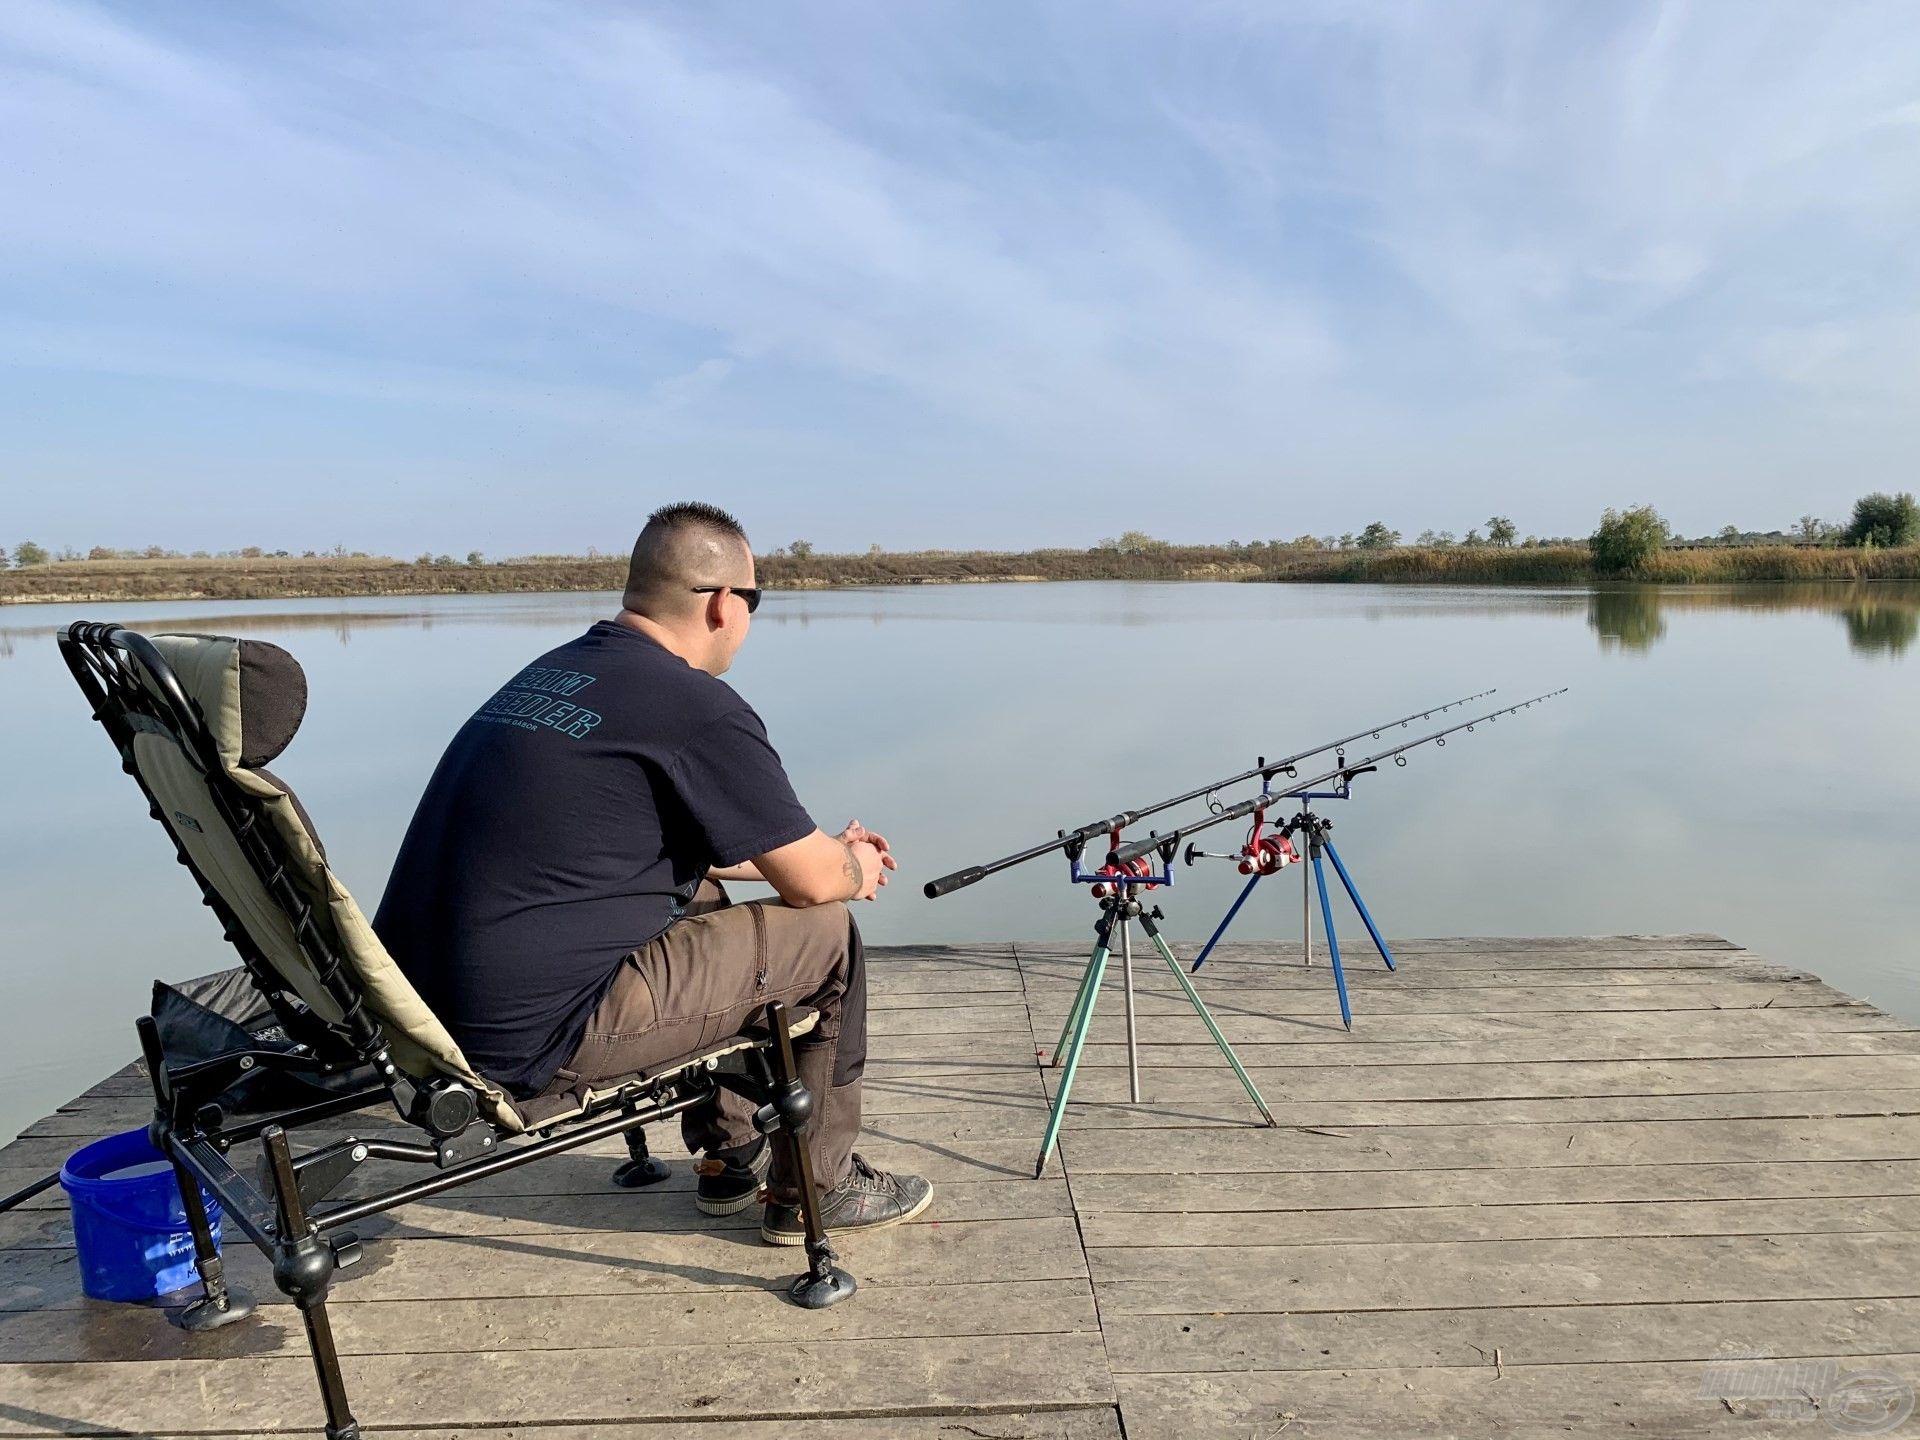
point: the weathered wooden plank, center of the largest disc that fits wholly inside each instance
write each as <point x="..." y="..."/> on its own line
<point x="1691" y="998"/>
<point x="890" y="1089"/>
<point x="1100" y="1424"/>
<point x="1090" y="1111"/>
<point x="94" y="1331"/>
<point x="1521" y="1081"/>
<point x="1056" y="986"/>
<point x="1425" y="1147"/>
<point x="1502" y="945"/>
<point x="625" y="1263"/>
<point x="1422" y="954"/>
<point x="1529" y="1335"/>
<point x="997" y="1018"/>
<point x="1752" y="1035"/>
<point x="972" y="1374"/>
<point x="1448" y="1275"/>
<point x="1367" y="1190"/>
<point x="1806" y="1022"/>
<point x="1463" y="1223"/>
<point x="1672" y="1401"/>
<point x="654" y="1210"/>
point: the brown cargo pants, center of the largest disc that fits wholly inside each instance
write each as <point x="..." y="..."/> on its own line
<point x="711" y="974"/>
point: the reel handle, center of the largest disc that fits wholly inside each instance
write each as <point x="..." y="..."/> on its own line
<point x="1194" y="852"/>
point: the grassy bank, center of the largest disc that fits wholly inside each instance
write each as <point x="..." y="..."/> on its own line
<point x="280" y="578"/>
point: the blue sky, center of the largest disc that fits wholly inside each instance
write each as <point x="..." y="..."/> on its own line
<point x="506" y="275"/>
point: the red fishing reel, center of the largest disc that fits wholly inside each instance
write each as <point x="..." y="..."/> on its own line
<point x="1267" y="855"/>
<point x="1141" y="869"/>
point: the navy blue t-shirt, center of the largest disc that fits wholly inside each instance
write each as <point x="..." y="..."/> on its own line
<point x="567" y="824"/>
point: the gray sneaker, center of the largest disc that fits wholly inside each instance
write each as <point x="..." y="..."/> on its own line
<point x="868" y="1199"/>
<point x="729" y="1186"/>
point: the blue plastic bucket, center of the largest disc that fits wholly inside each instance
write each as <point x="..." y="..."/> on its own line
<point x="128" y="1222"/>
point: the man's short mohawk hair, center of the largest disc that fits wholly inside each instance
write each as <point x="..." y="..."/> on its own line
<point x="697" y="512"/>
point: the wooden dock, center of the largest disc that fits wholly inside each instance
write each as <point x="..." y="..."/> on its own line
<point x="1628" y="1185"/>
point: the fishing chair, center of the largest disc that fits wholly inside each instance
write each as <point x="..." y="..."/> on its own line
<point x="196" y="718"/>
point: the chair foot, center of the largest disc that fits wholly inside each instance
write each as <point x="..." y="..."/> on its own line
<point x="211" y="1313"/>
<point x="823" y="1285"/>
<point x="637" y="1173"/>
<point x="641" y="1168"/>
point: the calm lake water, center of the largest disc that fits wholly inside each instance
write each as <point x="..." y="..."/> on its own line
<point x="1739" y="760"/>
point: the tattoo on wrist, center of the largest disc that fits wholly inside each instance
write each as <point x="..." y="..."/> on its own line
<point x="855" y="876"/>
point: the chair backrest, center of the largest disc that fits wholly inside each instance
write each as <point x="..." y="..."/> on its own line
<point x="196" y="719"/>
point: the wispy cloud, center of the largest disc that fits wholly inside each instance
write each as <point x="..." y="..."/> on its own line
<point x="1293" y="266"/>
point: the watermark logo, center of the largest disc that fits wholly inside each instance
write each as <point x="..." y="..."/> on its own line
<point x="1850" y="1402"/>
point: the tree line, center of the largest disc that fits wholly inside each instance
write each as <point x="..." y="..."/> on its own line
<point x="1624" y="541"/>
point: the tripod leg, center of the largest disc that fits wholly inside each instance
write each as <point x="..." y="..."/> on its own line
<point x="1360" y="905"/>
<point x="1333" y="940"/>
<point x="1306" y="920"/>
<point x="1083" y="1017"/>
<point x="1102" y="935"/>
<point x="1126" y="987"/>
<point x="1232" y="910"/>
<point x="1199" y="1006"/>
<point x="1095" y="962"/>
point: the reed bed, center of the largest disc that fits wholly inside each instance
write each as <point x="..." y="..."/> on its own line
<point x="275" y="578"/>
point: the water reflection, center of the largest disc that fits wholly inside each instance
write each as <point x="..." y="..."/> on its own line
<point x="1875" y="628"/>
<point x="1881" y="617"/>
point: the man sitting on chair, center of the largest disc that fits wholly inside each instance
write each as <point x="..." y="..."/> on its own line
<point x="556" y="902"/>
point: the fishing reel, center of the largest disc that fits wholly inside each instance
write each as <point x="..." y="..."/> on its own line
<point x="1265" y="855"/>
<point x="1140" y="873"/>
<point x="1260" y="854"/>
<point x="1117" y="876"/>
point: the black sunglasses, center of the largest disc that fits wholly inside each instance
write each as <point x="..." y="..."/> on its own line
<point x="748" y="593"/>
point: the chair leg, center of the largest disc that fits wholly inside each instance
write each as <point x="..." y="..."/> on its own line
<point x="303" y="1266"/>
<point x="825" y="1283"/>
<point x="220" y="1304"/>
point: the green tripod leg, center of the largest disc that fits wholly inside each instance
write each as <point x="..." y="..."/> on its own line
<point x="1075" y="1037"/>
<point x="1193" y="996"/>
<point x="1088" y="984"/>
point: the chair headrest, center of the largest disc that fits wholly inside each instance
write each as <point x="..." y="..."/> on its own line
<point x="252" y="693"/>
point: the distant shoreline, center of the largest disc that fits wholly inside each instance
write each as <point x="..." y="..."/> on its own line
<point x="286" y="578"/>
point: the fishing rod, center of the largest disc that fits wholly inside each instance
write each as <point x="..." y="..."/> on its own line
<point x="1076" y="840"/>
<point x="1168" y="843"/>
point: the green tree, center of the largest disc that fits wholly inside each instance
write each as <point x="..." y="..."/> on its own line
<point x="1730" y="534"/>
<point x="800" y="549"/>
<point x="1473" y="538"/>
<point x="1810" y="528"/>
<point x="3" y="557"/>
<point x="1306" y="542"/>
<point x="27" y="553"/>
<point x="1501" y="530"/>
<point x="475" y="559"/>
<point x="1378" y="537"/>
<point x="1627" y="539"/>
<point x="1882" y="520"/>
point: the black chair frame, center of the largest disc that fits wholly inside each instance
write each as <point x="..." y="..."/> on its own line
<point x="132" y="689"/>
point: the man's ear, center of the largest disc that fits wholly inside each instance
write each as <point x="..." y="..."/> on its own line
<point x="716" y="611"/>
